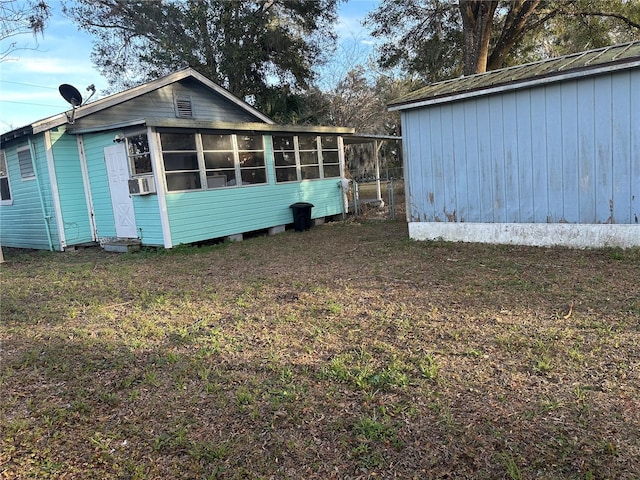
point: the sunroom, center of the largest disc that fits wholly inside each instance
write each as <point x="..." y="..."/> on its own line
<point x="189" y="184"/>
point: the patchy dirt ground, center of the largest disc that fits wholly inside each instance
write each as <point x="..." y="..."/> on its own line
<point x="344" y="352"/>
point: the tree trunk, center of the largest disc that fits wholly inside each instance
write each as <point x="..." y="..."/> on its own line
<point x="515" y="25"/>
<point x="477" y="19"/>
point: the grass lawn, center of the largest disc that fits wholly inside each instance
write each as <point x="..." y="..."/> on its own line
<point x="344" y="352"/>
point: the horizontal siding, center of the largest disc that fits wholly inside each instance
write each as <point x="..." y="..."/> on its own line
<point x="24" y="224"/>
<point x="71" y="194"/>
<point x="98" y="182"/>
<point x="567" y="152"/>
<point x="148" y="219"/>
<point x="201" y="215"/>
<point x="207" y="105"/>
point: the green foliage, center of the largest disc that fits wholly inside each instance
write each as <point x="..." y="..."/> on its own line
<point x="242" y="45"/>
<point x="427" y="37"/>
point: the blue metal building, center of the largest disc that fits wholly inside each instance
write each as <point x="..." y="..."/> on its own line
<point x="546" y="153"/>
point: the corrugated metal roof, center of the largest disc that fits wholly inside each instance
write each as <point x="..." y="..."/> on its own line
<point x="609" y="58"/>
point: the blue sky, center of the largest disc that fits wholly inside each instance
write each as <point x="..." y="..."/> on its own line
<point x="29" y="78"/>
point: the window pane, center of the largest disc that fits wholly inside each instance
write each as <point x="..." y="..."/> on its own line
<point x="221" y="178"/>
<point x="308" y="158"/>
<point x="218" y="160"/>
<point x="307" y="143"/>
<point x="286" y="175"/>
<point x="183" y="181"/>
<point x="310" y="172"/>
<point x="251" y="159"/>
<point x="138" y="144"/>
<point x="178" y="141"/>
<point x="180" y="161"/>
<point x="329" y="142"/>
<point x="285" y="158"/>
<point x="216" y="142"/>
<point x="330" y="157"/>
<point x="250" y="142"/>
<point x="141" y="164"/>
<point x="331" y="171"/>
<point x="5" y="193"/>
<point x="282" y="142"/>
<point x="251" y="176"/>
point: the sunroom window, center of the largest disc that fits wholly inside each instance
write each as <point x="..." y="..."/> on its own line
<point x="305" y="157"/>
<point x="251" y="159"/>
<point x="219" y="160"/>
<point x="330" y="157"/>
<point x="210" y="160"/>
<point x="284" y="151"/>
<point x="180" y="161"/>
<point x="309" y="164"/>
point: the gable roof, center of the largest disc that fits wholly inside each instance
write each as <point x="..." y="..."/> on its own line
<point x="112" y="100"/>
<point x="593" y="62"/>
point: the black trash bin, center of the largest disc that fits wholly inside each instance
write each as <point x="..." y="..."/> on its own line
<point x="301" y="216"/>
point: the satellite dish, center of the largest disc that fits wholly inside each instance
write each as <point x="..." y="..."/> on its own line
<point x="70" y="94"/>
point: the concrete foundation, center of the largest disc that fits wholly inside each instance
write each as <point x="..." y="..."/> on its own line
<point x="235" y="238"/>
<point x="533" y="234"/>
<point x="277" y="230"/>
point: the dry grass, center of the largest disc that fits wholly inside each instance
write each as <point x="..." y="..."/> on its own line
<point x="346" y="351"/>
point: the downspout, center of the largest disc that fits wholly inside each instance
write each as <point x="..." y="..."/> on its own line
<point x="45" y="216"/>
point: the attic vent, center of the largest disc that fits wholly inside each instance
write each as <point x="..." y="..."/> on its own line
<point x="184" y="109"/>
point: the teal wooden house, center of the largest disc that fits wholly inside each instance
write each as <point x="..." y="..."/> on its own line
<point x="177" y="160"/>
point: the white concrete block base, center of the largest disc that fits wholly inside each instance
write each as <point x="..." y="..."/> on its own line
<point x="318" y="221"/>
<point x="277" y="230"/>
<point x="235" y="238"/>
<point x="533" y="234"/>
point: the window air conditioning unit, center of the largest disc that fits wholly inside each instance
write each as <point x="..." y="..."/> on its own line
<point x="142" y="185"/>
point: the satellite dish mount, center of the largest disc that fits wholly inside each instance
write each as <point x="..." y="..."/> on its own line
<point x="73" y="97"/>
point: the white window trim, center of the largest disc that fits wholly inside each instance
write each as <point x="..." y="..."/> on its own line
<point x="8" y="201"/>
<point x="320" y="164"/>
<point x="202" y="167"/>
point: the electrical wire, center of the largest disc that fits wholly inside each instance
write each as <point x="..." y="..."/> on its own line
<point x="27" y="84"/>
<point x="34" y="104"/>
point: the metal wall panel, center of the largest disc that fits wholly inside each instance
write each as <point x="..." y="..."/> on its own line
<point x="566" y="152"/>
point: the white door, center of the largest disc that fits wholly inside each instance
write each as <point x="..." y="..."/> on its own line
<point x="118" y="171"/>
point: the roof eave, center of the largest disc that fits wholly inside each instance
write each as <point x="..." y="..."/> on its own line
<point x="246" y="126"/>
<point x="535" y="81"/>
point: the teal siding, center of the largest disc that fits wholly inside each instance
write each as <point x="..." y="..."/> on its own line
<point x="98" y="182"/>
<point x="201" y="215"/>
<point x="30" y="221"/>
<point x="148" y="219"/>
<point x="147" y="212"/>
<point x="71" y="194"/>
